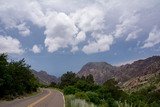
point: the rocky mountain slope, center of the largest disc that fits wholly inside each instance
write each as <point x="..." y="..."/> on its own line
<point x="103" y="71"/>
<point x="138" y="68"/>
<point x="44" y="78"/>
<point x="98" y="70"/>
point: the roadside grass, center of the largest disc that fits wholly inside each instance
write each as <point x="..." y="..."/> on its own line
<point x="72" y="101"/>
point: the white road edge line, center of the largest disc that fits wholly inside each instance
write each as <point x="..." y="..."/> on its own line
<point x="63" y="98"/>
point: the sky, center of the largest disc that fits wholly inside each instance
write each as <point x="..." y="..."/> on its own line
<point x="59" y="36"/>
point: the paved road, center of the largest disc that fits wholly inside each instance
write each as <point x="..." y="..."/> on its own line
<point x="48" y="98"/>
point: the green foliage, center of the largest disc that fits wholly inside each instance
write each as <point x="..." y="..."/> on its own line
<point x="109" y="94"/>
<point x="111" y="102"/>
<point x="155" y="104"/>
<point x="90" y="79"/>
<point x="82" y="95"/>
<point x="83" y="85"/>
<point x="111" y="90"/>
<point x="93" y="97"/>
<point x="70" y="90"/>
<point x="110" y="82"/>
<point x="53" y="84"/>
<point x="146" y="97"/>
<point x="157" y="78"/>
<point x="103" y="93"/>
<point x="67" y="79"/>
<point x="16" y="78"/>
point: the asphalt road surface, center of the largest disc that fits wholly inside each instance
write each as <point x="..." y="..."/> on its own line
<point x="48" y="98"/>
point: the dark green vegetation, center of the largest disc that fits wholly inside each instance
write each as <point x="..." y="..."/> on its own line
<point x="16" y="78"/>
<point x="109" y="93"/>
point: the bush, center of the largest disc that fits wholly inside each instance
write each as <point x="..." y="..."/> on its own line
<point x="154" y="104"/>
<point x="70" y="90"/>
<point x="53" y="84"/>
<point x="82" y="95"/>
<point x="104" y="93"/>
<point x="93" y="97"/>
<point x="83" y="85"/>
<point x="111" y="102"/>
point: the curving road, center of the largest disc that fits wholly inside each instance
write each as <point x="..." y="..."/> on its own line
<point x="48" y="98"/>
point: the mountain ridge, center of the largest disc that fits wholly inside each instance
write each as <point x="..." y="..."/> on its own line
<point x="44" y="78"/>
<point x="103" y="71"/>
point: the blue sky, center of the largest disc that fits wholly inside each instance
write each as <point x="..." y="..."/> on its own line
<point x="58" y="36"/>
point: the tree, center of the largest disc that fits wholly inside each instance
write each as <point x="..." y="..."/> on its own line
<point x="70" y="90"/>
<point x="3" y="68"/>
<point x="83" y="78"/>
<point x="90" y="79"/>
<point x="53" y="84"/>
<point x="83" y="85"/>
<point x="110" y="86"/>
<point x="16" y="78"/>
<point x="93" y="97"/>
<point x="67" y="79"/>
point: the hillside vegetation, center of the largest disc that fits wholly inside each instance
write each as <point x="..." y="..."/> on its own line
<point x="84" y="91"/>
<point x="16" y="78"/>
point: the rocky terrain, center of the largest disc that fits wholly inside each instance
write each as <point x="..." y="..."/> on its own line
<point x="44" y="78"/>
<point x="103" y="71"/>
<point x="138" y="68"/>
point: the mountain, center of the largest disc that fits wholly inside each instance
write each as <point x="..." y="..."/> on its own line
<point x="103" y="71"/>
<point x="138" y="68"/>
<point x="44" y="78"/>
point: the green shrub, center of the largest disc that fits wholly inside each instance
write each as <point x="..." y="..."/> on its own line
<point x="82" y="95"/>
<point x="83" y="85"/>
<point x="93" y="97"/>
<point x="68" y="79"/>
<point x="70" y="90"/>
<point x="111" y="102"/>
<point x="154" y="104"/>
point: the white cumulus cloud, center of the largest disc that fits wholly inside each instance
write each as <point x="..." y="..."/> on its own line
<point x="12" y="13"/>
<point x="10" y="45"/>
<point x="100" y="45"/>
<point x="90" y="18"/>
<point x="126" y="22"/>
<point x="74" y="49"/>
<point x="23" y="30"/>
<point x="60" y="31"/>
<point x="37" y="48"/>
<point x="153" y="38"/>
<point x="133" y="35"/>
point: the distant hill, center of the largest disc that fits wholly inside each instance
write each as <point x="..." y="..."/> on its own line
<point x="103" y="71"/>
<point x="138" y="68"/>
<point x="44" y="78"/>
